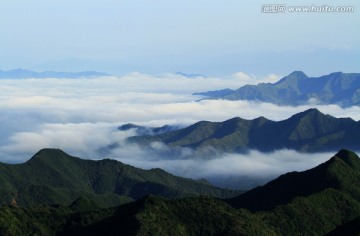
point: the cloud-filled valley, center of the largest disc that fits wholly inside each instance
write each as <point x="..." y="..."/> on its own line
<point x="81" y="116"/>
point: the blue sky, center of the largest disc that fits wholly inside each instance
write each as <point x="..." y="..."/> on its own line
<point x="161" y="36"/>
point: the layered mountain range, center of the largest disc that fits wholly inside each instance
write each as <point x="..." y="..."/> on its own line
<point x="308" y="131"/>
<point x="323" y="200"/>
<point x="297" y="88"/>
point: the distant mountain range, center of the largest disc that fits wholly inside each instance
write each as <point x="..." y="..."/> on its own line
<point x="143" y="130"/>
<point x="24" y="74"/>
<point x="297" y="88"/>
<point x="308" y="131"/>
<point x="324" y="200"/>
<point x="54" y="177"/>
<point x="190" y="75"/>
<point x="140" y="131"/>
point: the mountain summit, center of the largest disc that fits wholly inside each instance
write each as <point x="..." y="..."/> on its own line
<point x="341" y="172"/>
<point x="293" y="80"/>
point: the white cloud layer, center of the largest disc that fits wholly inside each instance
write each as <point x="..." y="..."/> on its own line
<point x="81" y="115"/>
<point x="226" y="170"/>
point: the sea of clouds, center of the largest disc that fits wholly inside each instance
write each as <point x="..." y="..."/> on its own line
<point x="81" y="116"/>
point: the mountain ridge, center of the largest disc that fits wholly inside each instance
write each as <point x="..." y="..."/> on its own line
<point x="285" y="188"/>
<point x="52" y="176"/>
<point x="307" y="131"/>
<point x="297" y="89"/>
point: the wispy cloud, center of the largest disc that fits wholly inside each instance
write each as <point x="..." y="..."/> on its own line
<point x="223" y="169"/>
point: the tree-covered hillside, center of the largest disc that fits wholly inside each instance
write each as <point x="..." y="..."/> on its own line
<point x="54" y="177"/>
<point x="320" y="201"/>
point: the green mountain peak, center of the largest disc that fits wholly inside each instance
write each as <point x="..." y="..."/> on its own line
<point x="350" y="158"/>
<point x="341" y="172"/>
<point x="47" y="154"/>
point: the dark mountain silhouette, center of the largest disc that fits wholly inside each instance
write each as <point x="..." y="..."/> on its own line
<point x="54" y="177"/>
<point x="308" y="131"/>
<point x="298" y="89"/>
<point x="24" y="74"/>
<point x="320" y="201"/>
<point x="341" y="172"/>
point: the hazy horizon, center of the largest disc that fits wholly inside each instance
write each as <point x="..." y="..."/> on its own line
<point x="203" y="37"/>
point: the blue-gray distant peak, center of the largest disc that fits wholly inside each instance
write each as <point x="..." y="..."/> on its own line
<point x="293" y="77"/>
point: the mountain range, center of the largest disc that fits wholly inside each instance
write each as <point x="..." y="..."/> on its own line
<point x="324" y="200"/>
<point x="297" y="88"/>
<point x="307" y="131"/>
<point x="53" y="177"/>
<point x="190" y="75"/>
<point x="143" y="130"/>
<point x="24" y="74"/>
